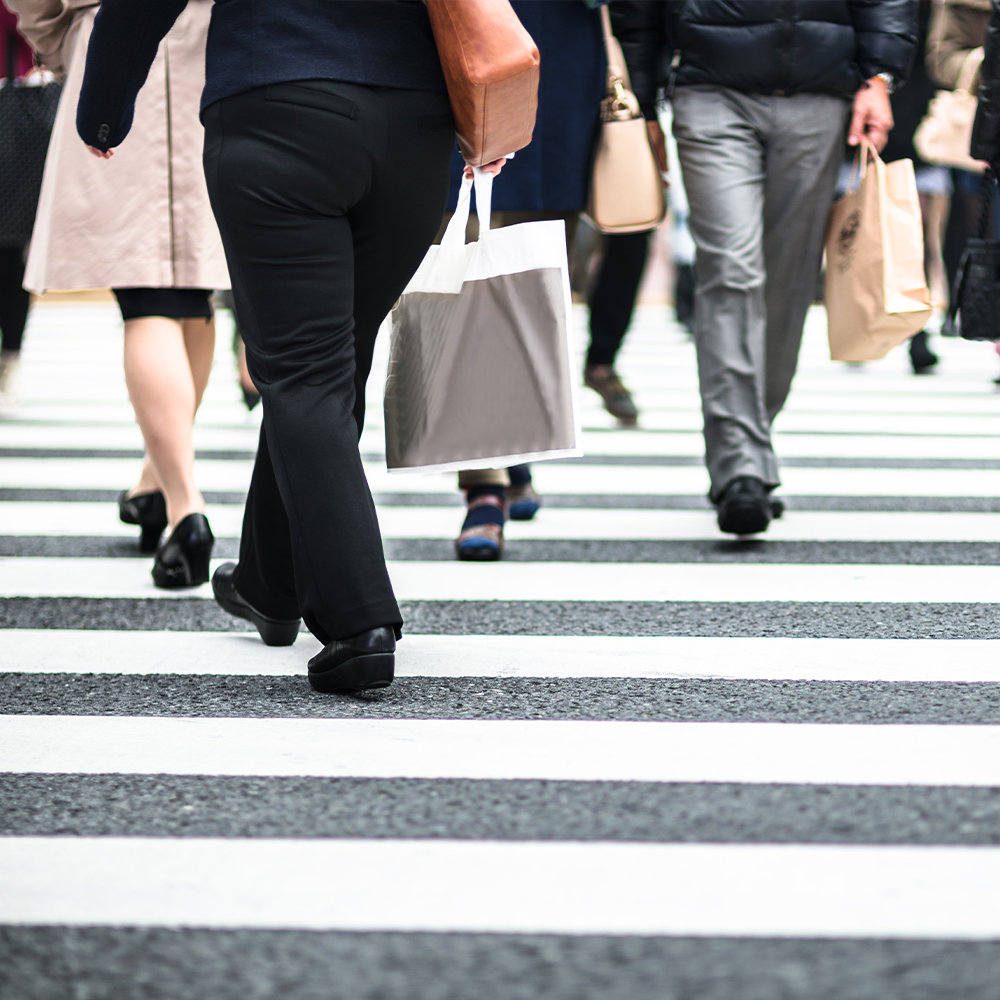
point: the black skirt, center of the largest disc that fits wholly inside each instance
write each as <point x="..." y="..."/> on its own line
<point x="174" y="303"/>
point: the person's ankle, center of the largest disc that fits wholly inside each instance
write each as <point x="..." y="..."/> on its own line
<point x="176" y="512"/>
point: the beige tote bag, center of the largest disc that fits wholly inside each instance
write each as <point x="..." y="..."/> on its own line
<point x="944" y="135"/>
<point x="626" y="190"/>
<point x="876" y="291"/>
<point x="482" y="362"/>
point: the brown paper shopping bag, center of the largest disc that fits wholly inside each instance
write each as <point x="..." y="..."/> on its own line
<point x="876" y="291"/>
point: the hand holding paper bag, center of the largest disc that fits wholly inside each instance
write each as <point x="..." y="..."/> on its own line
<point x="480" y="361"/>
<point x="876" y="290"/>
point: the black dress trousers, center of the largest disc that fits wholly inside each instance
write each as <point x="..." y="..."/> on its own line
<point x="327" y="196"/>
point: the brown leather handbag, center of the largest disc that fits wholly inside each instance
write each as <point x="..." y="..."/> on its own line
<point x="490" y="65"/>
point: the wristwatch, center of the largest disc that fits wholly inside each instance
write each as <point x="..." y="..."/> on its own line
<point x="889" y="80"/>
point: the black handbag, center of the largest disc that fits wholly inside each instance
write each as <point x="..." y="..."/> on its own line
<point x="974" y="313"/>
<point x="26" y="117"/>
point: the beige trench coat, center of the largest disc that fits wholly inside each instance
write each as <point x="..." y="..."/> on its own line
<point x="142" y="218"/>
<point x="957" y="27"/>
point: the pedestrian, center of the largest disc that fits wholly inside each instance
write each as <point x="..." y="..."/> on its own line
<point x="762" y="96"/>
<point x="934" y="184"/>
<point x="142" y="225"/>
<point x="548" y="179"/>
<point x="328" y="134"/>
<point x="16" y="61"/>
<point x="957" y="32"/>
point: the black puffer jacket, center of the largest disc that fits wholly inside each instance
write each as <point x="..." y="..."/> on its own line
<point x="765" y="46"/>
<point x="986" y="130"/>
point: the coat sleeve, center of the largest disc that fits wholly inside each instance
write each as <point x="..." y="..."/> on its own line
<point x="986" y="129"/>
<point x="45" y="23"/>
<point x="887" y="36"/>
<point x="640" y="27"/>
<point x="122" y="48"/>
<point x="956" y="29"/>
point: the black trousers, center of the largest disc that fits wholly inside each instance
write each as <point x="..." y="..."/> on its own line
<point x="327" y="196"/>
<point x="14" y="300"/>
<point x="613" y="297"/>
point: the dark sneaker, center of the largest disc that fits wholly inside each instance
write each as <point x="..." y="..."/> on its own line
<point x="617" y="399"/>
<point x="744" y="507"/>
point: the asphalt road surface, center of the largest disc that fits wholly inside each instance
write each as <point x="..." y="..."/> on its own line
<point x="634" y="760"/>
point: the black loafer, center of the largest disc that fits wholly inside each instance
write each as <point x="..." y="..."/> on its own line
<point x="359" y="663"/>
<point x="182" y="560"/>
<point x="149" y="511"/>
<point x="274" y="631"/>
<point x="745" y="507"/>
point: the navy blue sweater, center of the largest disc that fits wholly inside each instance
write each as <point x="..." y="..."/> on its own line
<point x="251" y="43"/>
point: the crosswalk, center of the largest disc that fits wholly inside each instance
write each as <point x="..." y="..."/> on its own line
<point x="635" y="759"/>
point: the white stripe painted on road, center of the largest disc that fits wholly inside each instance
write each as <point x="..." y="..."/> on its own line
<point x="234" y="476"/>
<point x="49" y="651"/>
<point x="558" y="581"/>
<point x="745" y="890"/>
<point x="561" y="523"/>
<point x="753" y="753"/>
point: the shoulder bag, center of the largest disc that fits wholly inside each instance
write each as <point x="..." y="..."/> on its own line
<point x="974" y="312"/>
<point x="27" y="111"/>
<point x="944" y="135"/>
<point x="626" y="189"/>
<point x="490" y="65"/>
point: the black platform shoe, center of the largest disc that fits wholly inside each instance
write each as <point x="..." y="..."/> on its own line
<point x="359" y="663"/>
<point x="149" y="511"/>
<point x="745" y="507"/>
<point x="182" y="560"/>
<point x="274" y="631"/>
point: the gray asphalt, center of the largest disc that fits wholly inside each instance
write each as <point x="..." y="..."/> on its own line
<point x="914" y="553"/>
<point x="208" y="806"/>
<point x="693" y="618"/>
<point x="662" y="461"/>
<point x="649" y="699"/>
<point x="56" y="963"/>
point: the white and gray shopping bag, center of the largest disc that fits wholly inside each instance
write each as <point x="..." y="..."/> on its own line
<point x="481" y="356"/>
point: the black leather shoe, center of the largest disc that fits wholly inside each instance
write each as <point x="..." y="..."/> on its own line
<point x="356" y="664"/>
<point x="274" y="631"/>
<point x="182" y="560"/>
<point x="922" y="358"/>
<point x="149" y="511"/>
<point x="745" y="507"/>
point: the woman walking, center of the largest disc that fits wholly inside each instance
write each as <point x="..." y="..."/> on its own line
<point x="142" y="225"/>
<point x="328" y="136"/>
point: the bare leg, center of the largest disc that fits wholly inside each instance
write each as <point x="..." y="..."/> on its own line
<point x="246" y="382"/>
<point x="167" y="365"/>
<point x="199" y="342"/>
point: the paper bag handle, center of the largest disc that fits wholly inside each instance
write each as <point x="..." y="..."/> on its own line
<point x="454" y="235"/>
<point x="860" y="167"/>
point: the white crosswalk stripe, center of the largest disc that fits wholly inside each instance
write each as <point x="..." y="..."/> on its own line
<point x="630" y="729"/>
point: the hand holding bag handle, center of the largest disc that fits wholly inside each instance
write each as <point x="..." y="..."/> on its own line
<point x="454" y="234"/>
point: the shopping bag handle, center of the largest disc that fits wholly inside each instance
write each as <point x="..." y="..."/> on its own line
<point x="860" y="167"/>
<point x="454" y="235"/>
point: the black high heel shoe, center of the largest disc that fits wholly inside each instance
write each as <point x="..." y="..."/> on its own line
<point x="182" y="560"/>
<point x="149" y="511"/>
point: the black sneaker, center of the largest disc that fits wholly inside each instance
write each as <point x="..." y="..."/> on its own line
<point x="745" y="507"/>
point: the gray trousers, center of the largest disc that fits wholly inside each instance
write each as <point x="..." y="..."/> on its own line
<point x="759" y="172"/>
